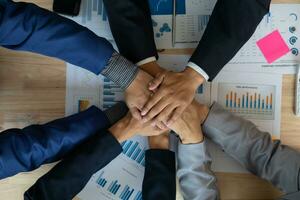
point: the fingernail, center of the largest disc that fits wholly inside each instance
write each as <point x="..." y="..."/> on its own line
<point x="144" y="112"/>
<point x="153" y="124"/>
<point x="168" y="124"/>
<point x="145" y="120"/>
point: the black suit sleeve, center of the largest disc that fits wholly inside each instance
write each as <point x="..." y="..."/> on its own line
<point x="160" y="175"/>
<point x="131" y="25"/>
<point x="69" y="177"/>
<point x="231" y="25"/>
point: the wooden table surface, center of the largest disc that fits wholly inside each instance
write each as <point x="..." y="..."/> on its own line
<point x="32" y="90"/>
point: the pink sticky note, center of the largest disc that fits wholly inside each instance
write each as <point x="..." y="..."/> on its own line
<point x="273" y="46"/>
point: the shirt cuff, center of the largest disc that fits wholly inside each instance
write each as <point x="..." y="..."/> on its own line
<point x="198" y="69"/>
<point x="120" y="70"/>
<point x="147" y="60"/>
<point x="198" y="154"/>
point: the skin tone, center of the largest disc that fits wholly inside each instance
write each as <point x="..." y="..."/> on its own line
<point x="173" y="93"/>
<point x="137" y="94"/>
<point x="165" y="118"/>
<point x="128" y="127"/>
<point x="188" y="126"/>
<point x="159" y="142"/>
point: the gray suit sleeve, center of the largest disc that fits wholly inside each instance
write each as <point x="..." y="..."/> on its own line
<point x="197" y="181"/>
<point x="254" y="149"/>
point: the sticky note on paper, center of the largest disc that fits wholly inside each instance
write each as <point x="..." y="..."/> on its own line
<point x="273" y="46"/>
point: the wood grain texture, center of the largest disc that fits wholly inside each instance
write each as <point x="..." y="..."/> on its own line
<point x="32" y="90"/>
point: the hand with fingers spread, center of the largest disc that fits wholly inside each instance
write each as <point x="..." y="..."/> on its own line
<point x="173" y="93"/>
<point x="137" y="94"/>
<point x="128" y="127"/>
<point x="188" y="126"/>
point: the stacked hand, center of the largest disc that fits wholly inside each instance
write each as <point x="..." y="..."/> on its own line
<point x="163" y="101"/>
<point x="128" y="127"/>
<point x="188" y="126"/>
<point x="173" y="93"/>
<point x="137" y="94"/>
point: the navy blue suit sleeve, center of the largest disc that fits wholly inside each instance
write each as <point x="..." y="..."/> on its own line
<point x="160" y="175"/>
<point x="69" y="177"/>
<point x="26" y="149"/>
<point x="25" y="26"/>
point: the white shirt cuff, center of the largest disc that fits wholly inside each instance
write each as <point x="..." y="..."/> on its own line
<point x="147" y="60"/>
<point x="199" y="70"/>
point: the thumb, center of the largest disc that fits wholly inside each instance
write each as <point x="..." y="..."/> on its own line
<point x="155" y="83"/>
<point x="136" y="113"/>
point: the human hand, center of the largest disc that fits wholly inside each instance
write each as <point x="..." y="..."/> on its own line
<point x="137" y="94"/>
<point x="174" y="92"/>
<point x="188" y="126"/>
<point x="128" y="127"/>
<point x="159" y="142"/>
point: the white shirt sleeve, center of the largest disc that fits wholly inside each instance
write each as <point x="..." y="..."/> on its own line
<point x="147" y="60"/>
<point x="199" y="70"/>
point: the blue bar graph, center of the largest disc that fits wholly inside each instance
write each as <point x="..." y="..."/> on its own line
<point x="138" y="196"/>
<point x="114" y="187"/>
<point x="110" y="92"/>
<point x="134" y="151"/>
<point x="90" y="6"/>
<point x="126" y="193"/>
<point x="101" y="181"/>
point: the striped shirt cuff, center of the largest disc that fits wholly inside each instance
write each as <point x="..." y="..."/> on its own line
<point x="120" y="70"/>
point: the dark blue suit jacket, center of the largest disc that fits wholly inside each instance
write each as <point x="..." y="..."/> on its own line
<point x="26" y="149"/>
<point x="27" y="27"/>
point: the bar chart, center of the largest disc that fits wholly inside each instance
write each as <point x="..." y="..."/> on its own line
<point x="83" y="104"/>
<point x="134" y="151"/>
<point x="126" y="193"/>
<point x="111" y="94"/>
<point x="94" y="16"/>
<point x="251" y="101"/>
<point x="101" y="181"/>
<point x="90" y="6"/>
<point x="138" y="196"/>
<point x="116" y="188"/>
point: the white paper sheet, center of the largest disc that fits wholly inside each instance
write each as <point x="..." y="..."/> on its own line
<point x="285" y="18"/>
<point x="262" y="107"/>
<point x="126" y="184"/>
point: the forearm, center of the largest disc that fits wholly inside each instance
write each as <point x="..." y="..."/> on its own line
<point x="26" y="149"/>
<point x="254" y="149"/>
<point x="70" y="176"/>
<point x="196" y="179"/>
<point x="27" y="27"/>
<point x="160" y="176"/>
<point x="221" y="41"/>
<point x="131" y="25"/>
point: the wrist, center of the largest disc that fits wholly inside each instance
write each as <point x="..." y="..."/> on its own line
<point x="197" y="78"/>
<point x="121" y="131"/>
<point x="195" y="139"/>
<point x="159" y="142"/>
<point x="152" y="68"/>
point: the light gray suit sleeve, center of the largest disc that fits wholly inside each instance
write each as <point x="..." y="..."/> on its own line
<point x="196" y="180"/>
<point x="254" y="149"/>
